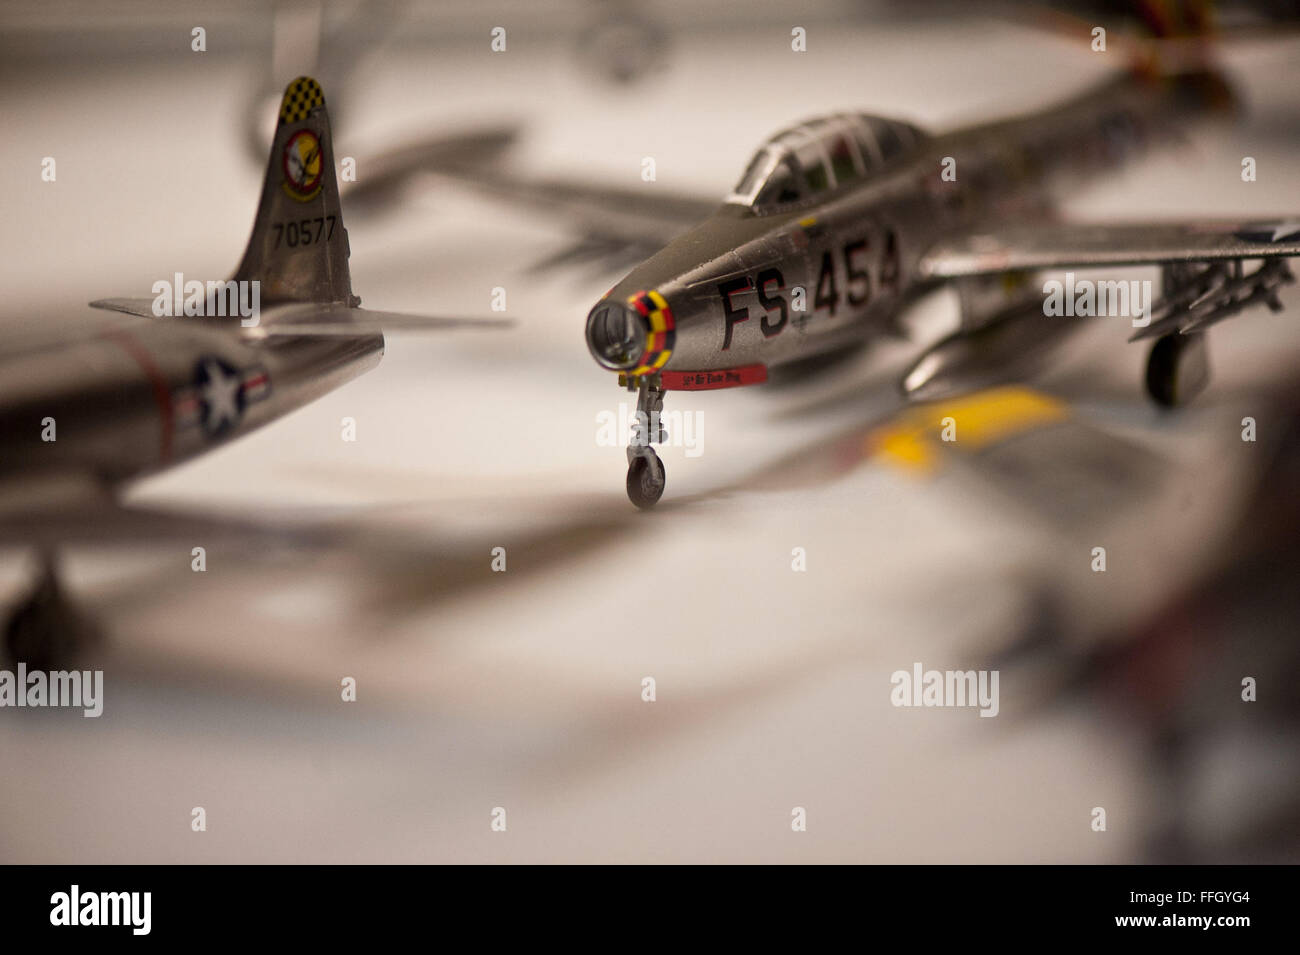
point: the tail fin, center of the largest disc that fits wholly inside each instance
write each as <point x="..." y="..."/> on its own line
<point x="298" y="253"/>
<point x="299" y="248"/>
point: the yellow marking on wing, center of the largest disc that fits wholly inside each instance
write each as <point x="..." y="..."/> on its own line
<point x="907" y="450"/>
<point x="979" y="420"/>
<point x="987" y="417"/>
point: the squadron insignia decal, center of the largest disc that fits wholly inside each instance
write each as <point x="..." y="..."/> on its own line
<point x="302" y="166"/>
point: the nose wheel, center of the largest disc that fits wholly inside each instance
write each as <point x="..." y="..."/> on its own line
<point x="645" y="472"/>
<point x="645" y="477"/>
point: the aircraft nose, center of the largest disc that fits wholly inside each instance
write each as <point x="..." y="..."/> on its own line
<point x="635" y="336"/>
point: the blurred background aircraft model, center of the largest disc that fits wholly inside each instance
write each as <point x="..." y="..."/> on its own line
<point x="523" y="687"/>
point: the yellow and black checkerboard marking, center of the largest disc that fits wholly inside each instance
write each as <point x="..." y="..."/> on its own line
<point x="659" y="343"/>
<point x="300" y="97"/>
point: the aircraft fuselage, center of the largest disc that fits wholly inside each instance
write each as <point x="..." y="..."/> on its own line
<point x="751" y="289"/>
<point x="144" y="394"/>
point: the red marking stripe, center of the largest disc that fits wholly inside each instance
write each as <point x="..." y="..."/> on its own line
<point x="161" y="391"/>
<point x="713" y="380"/>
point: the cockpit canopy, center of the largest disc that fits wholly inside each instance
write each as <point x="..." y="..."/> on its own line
<point x="819" y="155"/>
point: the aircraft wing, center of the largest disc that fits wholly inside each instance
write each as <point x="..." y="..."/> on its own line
<point x="648" y="213"/>
<point x="615" y="223"/>
<point x="1064" y="245"/>
<point x="1203" y="281"/>
<point x="348" y="320"/>
<point x="338" y="319"/>
<point x="61" y="507"/>
<point x="386" y="174"/>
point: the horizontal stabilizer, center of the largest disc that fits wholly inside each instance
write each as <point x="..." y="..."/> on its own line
<point x="342" y="321"/>
<point x="334" y="320"/>
<point x="127" y="306"/>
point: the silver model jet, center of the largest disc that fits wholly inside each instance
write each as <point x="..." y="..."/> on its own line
<point x="839" y="222"/>
<point x="126" y="397"/>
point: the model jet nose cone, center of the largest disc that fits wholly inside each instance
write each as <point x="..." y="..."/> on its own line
<point x="616" y="335"/>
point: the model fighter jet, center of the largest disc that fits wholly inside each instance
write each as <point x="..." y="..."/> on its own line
<point x="839" y="222"/>
<point x="81" y="415"/>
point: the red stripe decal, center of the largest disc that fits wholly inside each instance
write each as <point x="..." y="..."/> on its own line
<point x="161" y="393"/>
<point x="712" y="380"/>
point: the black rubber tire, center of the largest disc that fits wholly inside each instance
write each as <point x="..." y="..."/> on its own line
<point x="645" y="480"/>
<point x="1162" y="371"/>
<point x="1178" y="369"/>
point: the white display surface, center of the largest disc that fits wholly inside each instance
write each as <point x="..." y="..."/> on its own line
<point x="523" y="689"/>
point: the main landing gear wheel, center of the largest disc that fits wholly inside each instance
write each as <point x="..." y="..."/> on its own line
<point x="1178" y="369"/>
<point x="645" y="479"/>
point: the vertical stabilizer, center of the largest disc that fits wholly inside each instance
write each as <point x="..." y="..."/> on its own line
<point x="299" y="247"/>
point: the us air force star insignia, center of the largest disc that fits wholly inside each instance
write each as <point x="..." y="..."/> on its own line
<point x="302" y="165"/>
<point x="219" y="391"/>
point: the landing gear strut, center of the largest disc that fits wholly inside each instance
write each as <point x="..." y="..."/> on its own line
<point x="46" y="630"/>
<point x="645" y="472"/>
<point x="1196" y="296"/>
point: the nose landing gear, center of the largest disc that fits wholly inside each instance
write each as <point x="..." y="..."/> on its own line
<point x="645" y="472"/>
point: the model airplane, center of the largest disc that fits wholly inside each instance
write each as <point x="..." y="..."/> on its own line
<point x="79" y="416"/>
<point x="841" y="221"/>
